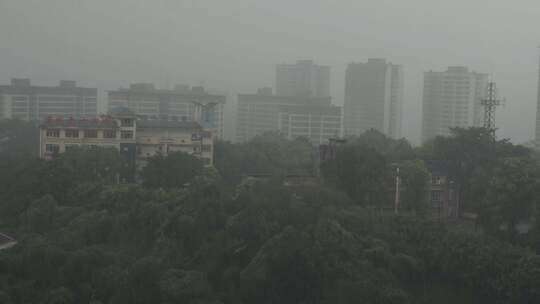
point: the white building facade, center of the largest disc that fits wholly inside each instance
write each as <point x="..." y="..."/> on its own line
<point x="452" y="99"/>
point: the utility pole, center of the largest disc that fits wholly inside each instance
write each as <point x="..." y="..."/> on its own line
<point x="490" y="103"/>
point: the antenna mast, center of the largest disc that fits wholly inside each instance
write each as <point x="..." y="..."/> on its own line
<point x="490" y="103"/>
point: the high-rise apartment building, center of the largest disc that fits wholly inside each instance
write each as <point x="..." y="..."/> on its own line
<point x="452" y="99"/>
<point x="181" y="104"/>
<point x="22" y="100"/>
<point x="303" y="79"/>
<point x="373" y="98"/>
<point x="537" y="133"/>
<point x="293" y="116"/>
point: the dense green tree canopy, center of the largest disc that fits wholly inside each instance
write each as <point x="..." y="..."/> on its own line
<point x="198" y="236"/>
<point x="18" y="138"/>
<point x="174" y="170"/>
<point x="269" y="153"/>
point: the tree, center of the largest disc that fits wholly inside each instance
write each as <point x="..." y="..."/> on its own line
<point x="86" y="164"/>
<point x="360" y="171"/>
<point x="269" y="153"/>
<point x="415" y="185"/>
<point x="40" y="216"/>
<point x="182" y="286"/>
<point x="511" y="196"/>
<point x="171" y="171"/>
<point x="472" y="154"/>
<point x="392" y="149"/>
<point x="18" y="138"/>
<point x="143" y="281"/>
<point x="60" y="295"/>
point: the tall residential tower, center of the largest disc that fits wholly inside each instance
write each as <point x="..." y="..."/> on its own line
<point x="303" y="79"/>
<point x="452" y="99"/>
<point x="537" y="133"/>
<point x="373" y="98"/>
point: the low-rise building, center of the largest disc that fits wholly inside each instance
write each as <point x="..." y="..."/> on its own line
<point x="443" y="191"/>
<point x="58" y="134"/>
<point x="135" y="138"/>
<point x="162" y="137"/>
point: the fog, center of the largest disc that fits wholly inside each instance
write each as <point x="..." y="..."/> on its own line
<point x="233" y="45"/>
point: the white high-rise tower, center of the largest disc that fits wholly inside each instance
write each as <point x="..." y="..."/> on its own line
<point x="373" y="97"/>
<point x="452" y="98"/>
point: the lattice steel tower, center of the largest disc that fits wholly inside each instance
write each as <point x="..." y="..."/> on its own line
<point x="490" y="103"/>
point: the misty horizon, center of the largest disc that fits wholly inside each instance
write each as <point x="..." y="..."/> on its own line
<point x="234" y="47"/>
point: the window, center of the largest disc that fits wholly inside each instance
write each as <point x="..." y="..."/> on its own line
<point x="436" y="180"/>
<point x="126" y="134"/>
<point x="53" y="133"/>
<point x="90" y="133"/>
<point x="72" y="133"/>
<point x="436" y="196"/>
<point x="109" y="134"/>
<point x="51" y="148"/>
<point x="127" y="122"/>
<point x="206" y="148"/>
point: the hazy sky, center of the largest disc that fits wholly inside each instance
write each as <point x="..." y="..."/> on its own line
<point x="234" y="44"/>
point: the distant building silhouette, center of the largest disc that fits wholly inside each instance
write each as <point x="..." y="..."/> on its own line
<point x="303" y="79"/>
<point x="182" y="104"/>
<point x="293" y="116"/>
<point x="452" y="99"/>
<point x="537" y="133"/>
<point x="22" y="100"/>
<point x="373" y="98"/>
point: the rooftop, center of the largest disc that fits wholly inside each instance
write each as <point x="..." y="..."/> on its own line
<point x="167" y="124"/>
<point x="122" y="112"/>
<point x="24" y="86"/>
<point x="102" y="122"/>
<point x="149" y="90"/>
<point x="299" y="100"/>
